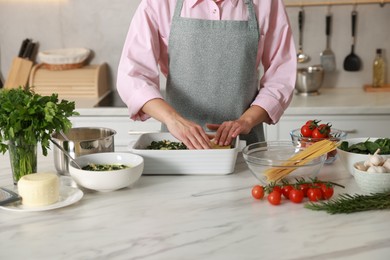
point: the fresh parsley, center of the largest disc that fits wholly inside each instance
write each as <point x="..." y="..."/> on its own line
<point x="32" y="118"/>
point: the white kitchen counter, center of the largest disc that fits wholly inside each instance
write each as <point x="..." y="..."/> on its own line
<point x="341" y="101"/>
<point x="336" y="101"/>
<point x="191" y="217"/>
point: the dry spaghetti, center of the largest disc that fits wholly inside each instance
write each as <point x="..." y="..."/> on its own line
<point x="313" y="151"/>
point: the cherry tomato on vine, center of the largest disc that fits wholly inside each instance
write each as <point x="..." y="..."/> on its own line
<point x="327" y="190"/>
<point x="314" y="194"/>
<point x="277" y="188"/>
<point x="304" y="187"/>
<point x="296" y="195"/>
<point x="258" y="192"/>
<point x="322" y="131"/>
<point x="312" y="122"/>
<point x="306" y="131"/>
<point x="286" y="190"/>
<point x="317" y="134"/>
<point x="275" y="197"/>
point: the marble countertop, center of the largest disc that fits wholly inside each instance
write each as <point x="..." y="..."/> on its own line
<point x="191" y="217"/>
<point x="331" y="101"/>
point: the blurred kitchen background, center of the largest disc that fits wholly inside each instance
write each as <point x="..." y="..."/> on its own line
<point x="101" y="26"/>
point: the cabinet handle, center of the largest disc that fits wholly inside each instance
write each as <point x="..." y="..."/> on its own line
<point x="353" y="131"/>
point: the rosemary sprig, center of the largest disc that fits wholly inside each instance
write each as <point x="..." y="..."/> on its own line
<point x="347" y="203"/>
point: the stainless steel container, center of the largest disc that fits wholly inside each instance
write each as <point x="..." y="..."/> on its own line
<point x="309" y="80"/>
<point x="81" y="141"/>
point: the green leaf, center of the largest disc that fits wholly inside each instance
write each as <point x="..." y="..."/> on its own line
<point x="32" y="117"/>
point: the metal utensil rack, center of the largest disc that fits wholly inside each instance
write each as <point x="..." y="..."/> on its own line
<point x="335" y="2"/>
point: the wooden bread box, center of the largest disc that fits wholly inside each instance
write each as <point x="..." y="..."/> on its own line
<point x="88" y="81"/>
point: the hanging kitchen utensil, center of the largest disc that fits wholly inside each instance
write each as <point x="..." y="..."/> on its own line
<point x="352" y="62"/>
<point x="21" y="66"/>
<point x="327" y="56"/>
<point x="301" y="56"/>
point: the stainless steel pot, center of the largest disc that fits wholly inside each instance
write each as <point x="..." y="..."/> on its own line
<point x="81" y="141"/>
<point x="309" y="80"/>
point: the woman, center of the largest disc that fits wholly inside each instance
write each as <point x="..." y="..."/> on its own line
<point x="210" y="51"/>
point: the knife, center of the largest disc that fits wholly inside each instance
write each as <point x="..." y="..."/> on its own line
<point x="23" y="47"/>
<point x="29" y="50"/>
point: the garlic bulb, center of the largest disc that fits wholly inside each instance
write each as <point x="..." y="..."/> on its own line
<point x="376" y="169"/>
<point x="386" y="164"/>
<point x="375" y="160"/>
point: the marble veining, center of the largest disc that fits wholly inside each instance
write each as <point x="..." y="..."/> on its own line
<point x="191" y="217"/>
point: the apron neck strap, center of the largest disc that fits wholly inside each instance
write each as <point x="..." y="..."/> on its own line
<point x="179" y="5"/>
<point x="253" y="24"/>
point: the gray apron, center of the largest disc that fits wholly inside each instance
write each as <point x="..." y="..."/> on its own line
<point x="212" y="69"/>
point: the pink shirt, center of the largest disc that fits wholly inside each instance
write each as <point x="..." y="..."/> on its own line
<point x="146" y="45"/>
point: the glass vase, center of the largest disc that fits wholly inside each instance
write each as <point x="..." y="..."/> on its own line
<point x="23" y="158"/>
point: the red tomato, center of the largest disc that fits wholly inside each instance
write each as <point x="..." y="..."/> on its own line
<point x="306" y="131"/>
<point x="275" y="197"/>
<point x="314" y="194"/>
<point x="327" y="190"/>
<point x="286" y="190"/>
<point x="296" y="195"/>
<point x="304" y="188"/>
<point x="317" y="134"/>
<point x="322" y="131"/>
<point x="313" y="123"/>
<point x="277" y="188"/>
<point x="258" y="192"/>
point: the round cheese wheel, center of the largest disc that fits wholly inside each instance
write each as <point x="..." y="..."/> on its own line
<point x="39" y="189"/>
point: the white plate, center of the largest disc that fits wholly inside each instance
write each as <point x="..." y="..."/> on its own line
<point x="68" y="196"/>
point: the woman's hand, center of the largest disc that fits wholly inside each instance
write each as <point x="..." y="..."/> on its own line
<point x="191" y="134"/>
<point x="229" y="130"/>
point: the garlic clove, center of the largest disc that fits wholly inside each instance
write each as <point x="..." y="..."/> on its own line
<point x="368" y="163"/>
<point x="361" y="167"/>
<point x="386" y="164"/>
<point x="376" y="169"/>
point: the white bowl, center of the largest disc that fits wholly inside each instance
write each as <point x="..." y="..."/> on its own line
<point x="348" y="159"/>
<point x="371" y="182"/>
<point x="105" y="181"/>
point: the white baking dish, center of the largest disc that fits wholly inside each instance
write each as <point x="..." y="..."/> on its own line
<point x="212" y="161"/>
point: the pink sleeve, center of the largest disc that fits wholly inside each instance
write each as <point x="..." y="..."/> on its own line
<point x="279" y="61"/>
<point x="138" y="72"/>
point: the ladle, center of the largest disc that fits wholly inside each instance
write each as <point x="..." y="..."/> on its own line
<point x="352" y="62"/>
<point x="301" y="56"/>
<point x="66" y="153"/>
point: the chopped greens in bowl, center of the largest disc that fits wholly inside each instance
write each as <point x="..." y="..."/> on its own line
<point x="367" y="147"/>
<point x="104" y="167"/>
<point x="166" y="145"/>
